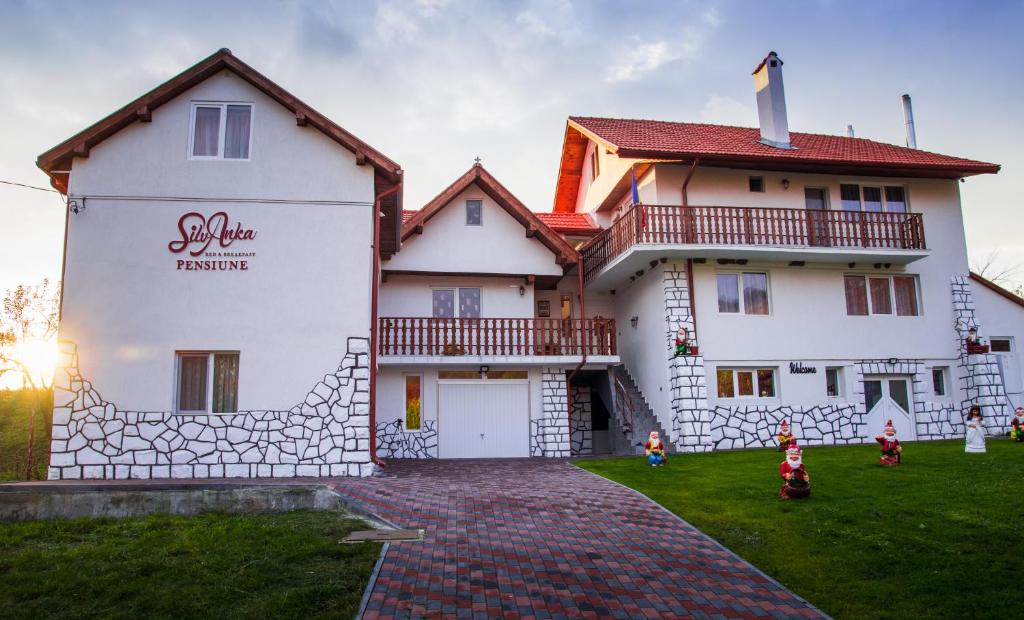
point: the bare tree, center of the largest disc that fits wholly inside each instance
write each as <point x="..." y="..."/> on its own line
<point x="30" y="315"/>
<point x="993" y="269"/>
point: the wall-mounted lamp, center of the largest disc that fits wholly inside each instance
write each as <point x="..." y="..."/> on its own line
<point x="484" y="369"/>
<point x="633" y="321"/>
<point x="75" y="208"/>
<point x="893" y="361"/>
<point x="522" y="290"/>
<point x="785" y="183"/>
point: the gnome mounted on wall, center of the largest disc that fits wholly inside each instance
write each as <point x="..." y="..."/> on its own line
<point x="682" y="341"/>
<point x="1017" y="425"/>
<point x="655" y="450"/>
<point x="785" y="436"/>
<point x="796" y="482"/>
<point x="892" y="451"/>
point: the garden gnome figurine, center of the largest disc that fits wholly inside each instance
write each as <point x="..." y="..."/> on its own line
<point x="785" y="437"/>
<point x="682" y="343"/>
<point x="796" y="483"/>
<point x="975" y="432"/>
<point x="655" y="450"/>
<point x="891" y="448"/>
<point x="1017" y="425"/>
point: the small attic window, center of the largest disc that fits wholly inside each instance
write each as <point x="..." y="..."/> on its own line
<point x="474" y="213"/>
<point x="220" y="131"/>
<point x="756" y="184"/>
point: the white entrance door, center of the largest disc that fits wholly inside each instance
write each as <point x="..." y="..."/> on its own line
<point x="889" y="398"/>
<point x="483" y="419"/>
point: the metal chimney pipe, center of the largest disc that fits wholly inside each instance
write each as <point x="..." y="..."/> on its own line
<point x="849" y="131"/>
<point x="908" y="122"/>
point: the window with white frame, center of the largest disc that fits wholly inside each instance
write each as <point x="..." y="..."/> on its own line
<point x="743" y="293"/>
<point x="755" y="184"/>
<point x="474" y="213"/>
<point x="746" y="382"/>
<point x="221" y="131"/>
<point x="940" y="375"/>
<point x="207" y="382"/>
<point x="881" y="295"/>
<point x="444" y="303"/>
<point x="834" y="381"/>
<point x="876" y="199"/>
<point x="413" y="402"/>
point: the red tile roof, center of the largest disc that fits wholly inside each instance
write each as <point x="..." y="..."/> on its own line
<point x="634" y="138"/>
<point x="570" y="223"/>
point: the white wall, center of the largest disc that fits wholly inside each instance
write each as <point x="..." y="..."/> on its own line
<point x="807" y="318"/>
<point x="591" y="193"/>
<point x="644" y="349"/>
<point x="411" y="296"/>
<point x="287" y="162"/>
<point x="500" y="245"/>
<point x="304" y="293"/>
<point x="1001" y="318"/>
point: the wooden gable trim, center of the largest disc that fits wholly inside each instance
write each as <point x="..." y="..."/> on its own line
<point x="565" y="254"/>
<point x="60" y="157"/>
<point x="995" y="288"/>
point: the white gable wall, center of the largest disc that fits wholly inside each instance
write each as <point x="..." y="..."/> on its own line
<point x="287" y="161"/>
<point x="999" y="317"/>
<point x="500" y="245"/>
<point x="305" y="292"/>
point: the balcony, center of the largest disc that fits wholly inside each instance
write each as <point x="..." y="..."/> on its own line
<point x="488" y="340"/>
<point x="752" y="233"/>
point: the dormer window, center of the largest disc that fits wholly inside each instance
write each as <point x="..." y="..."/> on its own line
<point x="474" y="213"/>
<point x="221" y="131"/>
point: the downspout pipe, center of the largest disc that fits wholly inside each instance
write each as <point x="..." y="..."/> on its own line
<point x="583" y="347"/>
<point x="374" y="294"/>
<point x="689" y="261"/>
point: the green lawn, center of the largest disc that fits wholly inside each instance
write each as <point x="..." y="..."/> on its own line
<point x="212" y="566"/>
<point x="15" y="406"/>
<point x="940" y="537"/>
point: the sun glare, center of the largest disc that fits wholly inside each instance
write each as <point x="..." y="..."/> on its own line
<point x="39" y="357"/>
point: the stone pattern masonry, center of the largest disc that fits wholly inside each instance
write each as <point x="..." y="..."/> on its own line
<point x="549" y="433"/>
<point x="690" y="427"/>
<point x="325" y="435"/>
<point x="979" y="373"/>
<point x="394" y="442"/>
<point x="581" y="423"/>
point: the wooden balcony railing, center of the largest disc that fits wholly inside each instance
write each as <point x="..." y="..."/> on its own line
<point x="755" y="226"/>
<point x="492" y="336"/>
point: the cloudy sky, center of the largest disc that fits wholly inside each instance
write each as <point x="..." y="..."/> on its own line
<point x="435" y="83"/>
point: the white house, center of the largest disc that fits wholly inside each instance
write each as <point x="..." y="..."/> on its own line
<point x="245" y="297"/>
<point x="218" y="268"/>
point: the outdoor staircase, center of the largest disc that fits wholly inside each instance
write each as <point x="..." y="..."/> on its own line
<point x="633" y="419"/>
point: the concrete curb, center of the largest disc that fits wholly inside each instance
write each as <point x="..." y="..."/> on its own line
<point x="372" y="583"/>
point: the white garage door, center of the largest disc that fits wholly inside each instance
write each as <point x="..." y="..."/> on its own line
<point x="483" y="419"/>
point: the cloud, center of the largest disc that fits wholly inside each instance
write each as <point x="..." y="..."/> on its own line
<point x="640" y="60"/>
<point x="723" y="110"/>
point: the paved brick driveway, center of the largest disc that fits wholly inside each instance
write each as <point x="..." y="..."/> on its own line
<point x="540" y="538"/>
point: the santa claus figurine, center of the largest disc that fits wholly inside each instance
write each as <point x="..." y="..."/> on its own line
<point x="1017" y="425"/>
<point x="796" y="483"/>
<point x="891" y="448"/>
<point x="785" y="437"/>
<point x="682" y="342"/>
<point x="655" y="450"/>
